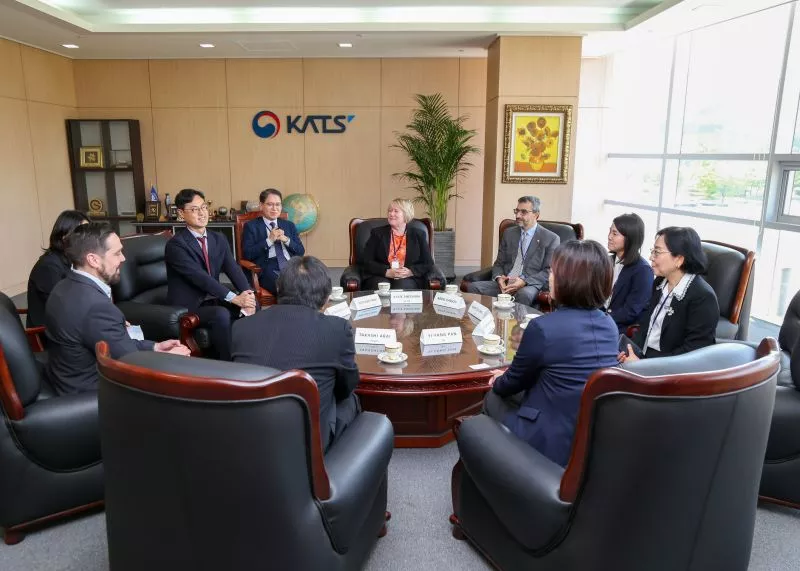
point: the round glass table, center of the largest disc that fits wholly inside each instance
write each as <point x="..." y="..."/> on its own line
<point x="436" y="383"/>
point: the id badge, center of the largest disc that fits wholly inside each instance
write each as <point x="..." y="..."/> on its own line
<point x="395" y="264"/>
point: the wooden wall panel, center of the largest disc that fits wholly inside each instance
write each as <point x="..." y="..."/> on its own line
<point x="552" y="66"/>
<point x="112" y="83"/>
<point x="51" y="161"/>
<point x="472" y="82"/>
<point x="346" y="82"/>
<point x="182" y="83"/>
<point x="48" y="77"/>
<point x="468" y="208"/>
<point x="265" y="83"/>
<point x="191" y="148"/>
<point x="12" y="82"/>
<point x="258" y="163"/>
<point x="19" y="216"/>
<point x="343" y="174"/>
<point x="402" y="78"/>
<point x="393" y="119"/>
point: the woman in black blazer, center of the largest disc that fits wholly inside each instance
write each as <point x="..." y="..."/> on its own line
<point x="683" y="311"/>
<point x="633" y="276"/>
<point x="397" y="253"/>
<point x="52" y="266"/>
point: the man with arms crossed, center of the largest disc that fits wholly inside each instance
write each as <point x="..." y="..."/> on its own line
<point x="80" y="312"/>
<point x="522" y="266"/>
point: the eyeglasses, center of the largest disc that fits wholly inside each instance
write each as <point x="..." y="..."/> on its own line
<point x="522" y="211"/>
<point x="196" y="209"/>
<point x="273" y="204"/>
<point x="655" y="252"/>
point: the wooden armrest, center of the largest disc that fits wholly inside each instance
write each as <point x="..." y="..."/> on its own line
<point x="34" y="338"/>
<point x="22" y="310"/>
<point x="188" y="323"/>
<point x="249" y="266"/>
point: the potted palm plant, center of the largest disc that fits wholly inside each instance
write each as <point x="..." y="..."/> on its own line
<point x="437" y="146"/>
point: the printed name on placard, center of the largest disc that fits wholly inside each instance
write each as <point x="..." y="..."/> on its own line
<point x="455" y="301"/>
<point x="478" y="310"/>
<point x="441" y="335"/>
<point x="440" y="349"/>
<point x="406" y="308"/>
<point x="405" y="297"/>
<point x="339" y="310"/>
<point x="375" y="336"/>
<point x="365" y="302"/>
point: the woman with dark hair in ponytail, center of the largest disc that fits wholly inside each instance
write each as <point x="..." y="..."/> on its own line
<point x="52" y="266"/>
<point x="633" y="276"/>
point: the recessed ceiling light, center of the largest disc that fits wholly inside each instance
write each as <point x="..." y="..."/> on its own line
<point x="206" y="45"/>
<point x="71" y="46"/>
<point x="345" y="45"/>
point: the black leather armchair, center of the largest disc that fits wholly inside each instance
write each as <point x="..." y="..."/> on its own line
<point x="565" y="231"/>
<point x="730" y="275"/>
<point x="226" y="471"/>
<point x="663" y="475"/>
<point x="50" y="464"/>
<point x="780" y="480"/>
<point x="360" y="229"/>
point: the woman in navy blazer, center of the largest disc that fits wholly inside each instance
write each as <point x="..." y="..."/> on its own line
<point x="633" y="276"/>
<point x="538" y="397"/>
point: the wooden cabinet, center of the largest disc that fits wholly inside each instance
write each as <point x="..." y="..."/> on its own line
<point x="105" y="158"/>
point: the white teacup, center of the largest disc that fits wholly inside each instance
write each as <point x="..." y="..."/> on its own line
<point x="491" y="340"/>
<point x="505" y="298"/>
<point x="393" y="348"/>
<point x="337" y="291"/>
<point x="452" y="289"/>
<point x="384" y="287"/>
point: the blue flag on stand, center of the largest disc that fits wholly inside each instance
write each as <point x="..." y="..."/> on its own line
<point x="153" y="194"/>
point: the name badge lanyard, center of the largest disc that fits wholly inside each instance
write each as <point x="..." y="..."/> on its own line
<point x="393" y="252"/>
<point x="654" y="317"/>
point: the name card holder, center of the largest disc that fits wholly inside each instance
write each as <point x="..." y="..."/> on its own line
<point x="478" y="310"/>
<point x="440" y="336"/>
<point x="367" y="336"/>
<point x="406" y="297"/>
<point x="339" y="310"/>
<point x="485" y="327"/>
<point x="364" y="313"/>
<point x="365" y="302"/>
<point x="458" y="313"/>
<point x="448" y="300"/>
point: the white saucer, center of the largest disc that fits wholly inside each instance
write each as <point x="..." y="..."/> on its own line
<point x="385" y="358"/>
<point x="334" y="298"/>
<point x="503" y="305"/>
<point x="493" y="350"/>
<point x="381" y="294"/>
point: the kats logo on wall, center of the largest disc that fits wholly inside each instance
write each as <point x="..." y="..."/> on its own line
<point x="267" y="125"/>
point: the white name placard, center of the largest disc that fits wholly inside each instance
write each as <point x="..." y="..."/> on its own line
<point x="339" y="310"/>
<point x="441" y="335"/>
<point x="364" y="313"/>
<point x="365" y="349"/>
<point x="406" y="308"/>
<point x="440" y="349"/>
<point x="478" y="310"/>
<point x="485" y="326"/>
<point x="365" y="302"/>
<point x="375" y="336"/>
<point x="448" y="300"/>
<point x="400" y="296"/>
<point x="458" y="313"/>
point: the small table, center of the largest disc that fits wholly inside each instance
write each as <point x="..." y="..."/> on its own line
<point x="425" y="394"/>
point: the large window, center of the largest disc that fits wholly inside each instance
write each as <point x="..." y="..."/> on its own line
<point x="704" y="131"/>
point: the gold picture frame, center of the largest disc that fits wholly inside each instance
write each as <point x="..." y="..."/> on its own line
<point x="91" y="157"/>
<point x="536" y="144"/>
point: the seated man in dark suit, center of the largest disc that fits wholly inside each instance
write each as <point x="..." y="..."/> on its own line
<point x="79" y="312"/>
<point x="195" y="257"/>
<point x="294" y="334"/>
<point x="269" y="241"/>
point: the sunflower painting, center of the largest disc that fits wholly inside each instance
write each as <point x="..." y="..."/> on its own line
<point x="536" y="144"/>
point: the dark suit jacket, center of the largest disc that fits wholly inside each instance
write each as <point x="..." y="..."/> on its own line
<point x="375" y="258"/>
<point x="557" y="354"/>
<point x="254" y="241"/>
<point x="50" y="268"/>
<point x="188" y="282"/>
<point x="692" y="324"/>
<point x="537" y="259"/>
<point x="78" y="315"/>
<point x="297" y="337"/>
<point x="631" y="293"/>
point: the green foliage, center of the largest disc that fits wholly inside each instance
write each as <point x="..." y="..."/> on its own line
<point x="437" y="146"/>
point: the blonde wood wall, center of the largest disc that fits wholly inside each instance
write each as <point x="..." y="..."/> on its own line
<point x="37" y="93"/>
<point x="195" y="117"/>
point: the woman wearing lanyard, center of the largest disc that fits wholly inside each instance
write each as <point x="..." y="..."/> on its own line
<point x="396" y="253"/>
<point x="683" y="311"/>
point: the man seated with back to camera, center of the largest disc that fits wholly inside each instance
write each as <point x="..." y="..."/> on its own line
<point x="80" y="312"/>
<point x="195" y="257"/>
<point x="322" y="345"/>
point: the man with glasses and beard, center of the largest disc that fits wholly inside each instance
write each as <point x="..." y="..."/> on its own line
<point x="522" y="267"/>
<point x="80" y="312"/>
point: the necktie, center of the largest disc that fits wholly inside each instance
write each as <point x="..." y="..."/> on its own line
<point x="279" y="253"/>
<point x="202" y="240"/>
<point x="519" y="261"/>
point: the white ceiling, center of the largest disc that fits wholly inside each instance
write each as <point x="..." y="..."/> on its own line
<point x="120" y="29"/>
